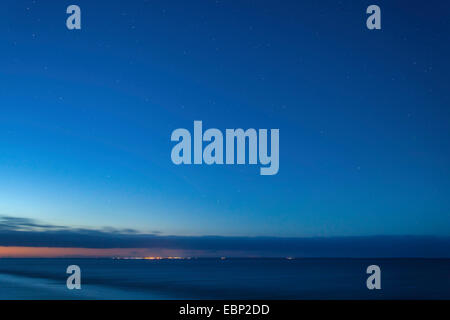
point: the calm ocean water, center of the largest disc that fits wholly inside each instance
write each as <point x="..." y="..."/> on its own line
<point x="225" y="279"/>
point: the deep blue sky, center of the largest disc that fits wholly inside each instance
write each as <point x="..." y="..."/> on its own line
<point x="86" y="116"/>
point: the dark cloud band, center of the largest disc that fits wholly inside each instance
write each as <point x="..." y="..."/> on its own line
<point x="30" y="233"/>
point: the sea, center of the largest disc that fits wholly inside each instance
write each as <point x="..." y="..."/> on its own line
<point x="238" y="278"/>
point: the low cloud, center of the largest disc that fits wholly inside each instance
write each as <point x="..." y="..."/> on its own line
<point x="24" y="232"/>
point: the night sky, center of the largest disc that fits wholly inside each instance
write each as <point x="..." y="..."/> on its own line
<point x="86" y="116"/>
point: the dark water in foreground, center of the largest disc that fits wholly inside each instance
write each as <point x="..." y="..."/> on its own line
<point x="225" y="279"/>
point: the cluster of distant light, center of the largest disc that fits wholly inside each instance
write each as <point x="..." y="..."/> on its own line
<point x="170" y="258"/>
<point x="151" y="258"/>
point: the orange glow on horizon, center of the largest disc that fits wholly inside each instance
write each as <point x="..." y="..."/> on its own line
<point x="47" y="252"/>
